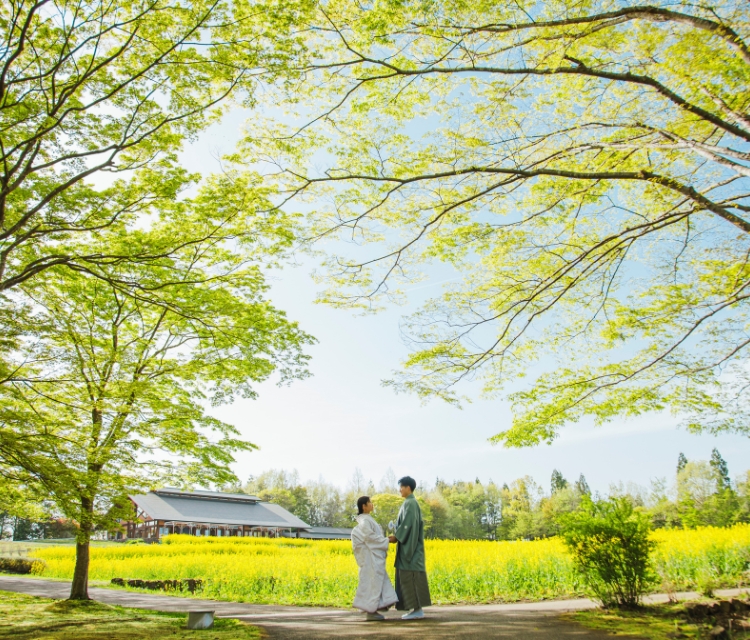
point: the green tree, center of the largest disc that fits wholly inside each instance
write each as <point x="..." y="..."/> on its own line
<point x="582" y="167"/>
<point x="295" y="500"/>
<point x="441" y="516"/>
<point x="721" y="470"/>
<point x="557" y="482"/>
<point x="271" y="480"/>
<point x="696" y="484"/>
<point x="474" y="510"/>
<point x="426" y="510"/>
<point x="520" y="501"/>
<point x="743" y="498"/>
<point x="25" y="529"/>
<point x="492" y="510"/>
<point x="55" y="528"/>
<point x="110" y="394"/>
<point x="26" y="513"/>
<point x="637" y="494"/>
<point x="552" y="509"/>
<point x="681" y="462"/>
<point x="386" y="508"/>
<point x="722" y="509"/>
<point x="581" y="486"/>
<point x="96" y="100"/>
<point x="327" y="506"/>
<point x="663" y="511"/>
<point x="19" y="501"/>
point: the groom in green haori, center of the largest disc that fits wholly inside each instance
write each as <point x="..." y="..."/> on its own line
<point x="411" y="574"/>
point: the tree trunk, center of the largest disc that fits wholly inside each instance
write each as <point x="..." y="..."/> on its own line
<point x="79" y="590"/>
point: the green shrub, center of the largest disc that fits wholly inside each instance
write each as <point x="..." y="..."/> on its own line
<point x="610" y="545"/>
<point x="21" y="565"/>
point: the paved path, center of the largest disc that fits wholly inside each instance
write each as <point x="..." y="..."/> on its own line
<point x="519" y="621"/>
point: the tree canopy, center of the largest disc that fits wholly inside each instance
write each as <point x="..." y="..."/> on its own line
<point x="582" y="167"/>
<point x="109" y="394"/>
<point x="96" y="100"/>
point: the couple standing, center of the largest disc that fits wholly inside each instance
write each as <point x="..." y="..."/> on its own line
<point x="375" y="592"/>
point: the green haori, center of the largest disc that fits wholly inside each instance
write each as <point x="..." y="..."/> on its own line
<point x="410" y="535"/>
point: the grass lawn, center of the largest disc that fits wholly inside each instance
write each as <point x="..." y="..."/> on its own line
<point x="656" y="622"/>
<point x="28" y="617"/>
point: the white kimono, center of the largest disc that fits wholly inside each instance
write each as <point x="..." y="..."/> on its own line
<point x="370" y="546"/>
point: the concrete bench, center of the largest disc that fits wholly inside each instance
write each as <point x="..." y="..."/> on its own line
<point x="200" y="619"/>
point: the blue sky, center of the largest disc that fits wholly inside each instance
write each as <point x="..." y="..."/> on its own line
<point x="342" y="418"/>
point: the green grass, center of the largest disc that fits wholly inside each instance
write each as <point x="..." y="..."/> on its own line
<point x="25" y="617"/>
<point x="655" y="622"/>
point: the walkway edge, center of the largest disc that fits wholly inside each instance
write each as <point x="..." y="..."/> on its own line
<point x="144" y="600"/>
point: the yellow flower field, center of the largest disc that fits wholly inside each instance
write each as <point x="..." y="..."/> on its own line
<point x="703" y="557"/>
<point x="313" y="572"/>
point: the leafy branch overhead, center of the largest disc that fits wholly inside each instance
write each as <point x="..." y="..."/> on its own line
<point x="584" y="170"/>
<point x="96" y="101"/>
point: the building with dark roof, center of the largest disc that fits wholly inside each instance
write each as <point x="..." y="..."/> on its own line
<point x="208" y="513"/>
<point x="326" y="533"/>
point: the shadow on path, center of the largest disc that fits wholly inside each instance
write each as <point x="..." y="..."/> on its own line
<point x="441" y="622"/>
<point x="519" y="621"/>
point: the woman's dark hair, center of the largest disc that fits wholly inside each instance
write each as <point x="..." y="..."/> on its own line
<point x="408" y="481"/>
<point x="361" y="502"/>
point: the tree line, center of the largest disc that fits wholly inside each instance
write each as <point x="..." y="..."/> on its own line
<point x="700" y="493"/>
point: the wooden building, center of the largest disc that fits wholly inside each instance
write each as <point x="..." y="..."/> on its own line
<point x="207" y="513"/>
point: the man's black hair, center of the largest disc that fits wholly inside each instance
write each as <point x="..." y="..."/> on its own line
<point x="408" y="481"/>
<point x="361" y="502"/>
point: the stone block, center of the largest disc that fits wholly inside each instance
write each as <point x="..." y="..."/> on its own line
<point x="200" y="619"/>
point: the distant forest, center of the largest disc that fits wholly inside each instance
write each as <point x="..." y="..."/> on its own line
<point x="701" y="492"/>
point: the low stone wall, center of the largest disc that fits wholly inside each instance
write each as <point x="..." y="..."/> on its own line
<point x="728" y="617"/>
<point x="187" y="584"/>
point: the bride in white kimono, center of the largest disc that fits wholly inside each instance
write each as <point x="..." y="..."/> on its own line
<point x="375" y="591"/>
